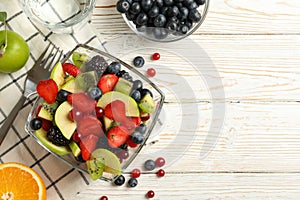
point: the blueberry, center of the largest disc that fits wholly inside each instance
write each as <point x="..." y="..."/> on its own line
<point x="141" y="19"/>
<point x="135" y="8"/>
<point x="168" y="2"/>
<point x="36" y="124"/>
<point x="120" y="180"/>
<point x="187" y="2"/>
<point x="140" y="28"/>
<point x="62" y="95"/>
<point x="164" y="10"/>
<point x="138" y="61"/>
<point x="200" y="2"/>
<point x="141" y="128"/>
<point x="123" y="6"/>
<point x="137" y="84"/>
<point x="136" y="95"/>
<point x="173" y="11"/>
<point x="184" y="13"/>
<point x="95" y="93"/>
<point x="153" y="12"/>
<point x="130" y="16"/>
<point x="184" y="29"/>
<point x="149" y="165"/>
<point x="160" y="20"/>
<point x="146" y="4"/>
<point x="172" y="25"/>
<point x="132" y="182"/>
<point x="188" y="23"/>
<point x="146" y="91"/>
<point x="114" y="68"/>
<point x="178" y="1"/>
<point x="124" y="146"/>
<point x="192" y="6"/>
<point x="137" y="137"/>
<point x="160" y="3"/>
<point x="194" y="15"/>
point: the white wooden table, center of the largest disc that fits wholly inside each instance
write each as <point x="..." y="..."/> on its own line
<point x="255" y="46"/>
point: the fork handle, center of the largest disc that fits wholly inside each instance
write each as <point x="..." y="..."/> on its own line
<point x="11" y="118"/>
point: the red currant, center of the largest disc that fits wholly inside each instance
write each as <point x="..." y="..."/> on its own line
<point x="150" y="194"/>
<point x="135" y="173"/>
<point x="99" y="112"/>
<point x="151" y="72"/>
<point x="160" y="162"/>
<point x="161" y="173"/>
<point x="156" y="56"/>
<point x="75" y="115"/>
<point x="123" y="154"/>
<point x="76" y="137"/>
<point x="103" y="198"/>
<point x="132" y="144"/>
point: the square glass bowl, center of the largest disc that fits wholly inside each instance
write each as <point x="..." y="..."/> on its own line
<point x="158" y="98"/>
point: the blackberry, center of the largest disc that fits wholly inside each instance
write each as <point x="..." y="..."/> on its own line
<point x="98" y="64"/>
<point x="125" y="75"/>
<point x="56" y="137"/>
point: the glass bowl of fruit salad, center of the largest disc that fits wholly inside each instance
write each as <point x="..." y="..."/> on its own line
<point x="95" y="112"/>
<point x="163" y="20"/>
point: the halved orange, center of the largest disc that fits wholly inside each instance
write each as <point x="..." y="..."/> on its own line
<point x="20" y="182"/>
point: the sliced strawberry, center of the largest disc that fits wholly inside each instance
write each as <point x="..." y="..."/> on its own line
<point x="107" y="82"/>
<point x="90" y="125"/>
<point x="115" y="111"/>
<point x="88" y="145"/>
<point x="82" y="101"/>
<point x="71" y="69"/>
<point x="47" y="89"/>
<point x="117" y="136"/>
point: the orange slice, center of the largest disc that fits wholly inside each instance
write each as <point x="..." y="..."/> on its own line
<point x="20" y="182"/>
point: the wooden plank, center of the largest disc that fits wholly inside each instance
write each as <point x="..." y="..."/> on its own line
<point x="220" y="67"/>
<point x="208" y="186"/>
<point x="224" y="17"/>
<point x="255" y="137"/>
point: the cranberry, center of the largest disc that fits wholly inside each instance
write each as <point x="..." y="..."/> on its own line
<point x="150" y="194"/>
<point x="135" y="173"/>
<point x="160" y="162"/>
<point x="156" y="56"/>
<point x="151" y="72"/>
<point x="99" y="112"/>
<point x="76" y="137"/>
<point x="123" y="154"/>
<point x="103" y="198"/>
<point x="161" y="173"/>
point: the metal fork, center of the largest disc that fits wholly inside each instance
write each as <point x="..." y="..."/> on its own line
<point x="40" y="71"/>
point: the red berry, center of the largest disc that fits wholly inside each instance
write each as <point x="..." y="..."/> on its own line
<point x="103" y="198"/>
<point x="135" y="173"/>
<point x="75" y="115"/>
<point x="123" y="154"/>
<point x="145" y="117"/>
<point x="71" y="69"/>
<point x="99" y="112"/>
<point x="131" y="144"/>
<point x="47" y="89"/>
<point x="150" y="194"/>
<point x="76" y="137"/>
<point x="160" y="162"/>
<point x="156" y="56"/>
<point x="161" y="173"/>
<point x="151" y="72"/>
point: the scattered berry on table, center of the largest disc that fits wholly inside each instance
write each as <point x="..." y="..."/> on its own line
<point x="132" y="182"/>
<point x="135" y="173"/>
<point x="150" y="194"/>
<point x="156" y="56"/>
<point x="103" y="198"/>
<point x="113" y="68"/>
<point x="120" y="180"/>
<point x="36" y="124"/>
<point x="151" y="72"/>
<point x="138" y="61"/>
<point x="95" y="93"/>
<point x="160" y="162"/>
<point x="56" y="137"/>
<point x="149" y="165"/>
<point x="161" y="173"/>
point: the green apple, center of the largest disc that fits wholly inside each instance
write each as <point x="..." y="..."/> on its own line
<point x="16" y="52"/>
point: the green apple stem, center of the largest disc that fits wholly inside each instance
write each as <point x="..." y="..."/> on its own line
<point x="3" y="16"/>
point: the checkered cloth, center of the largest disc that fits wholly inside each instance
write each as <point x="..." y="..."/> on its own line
<point x="62" y="181"/>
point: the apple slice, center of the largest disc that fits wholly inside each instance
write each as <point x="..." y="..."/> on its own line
<point x="58" y="75"/>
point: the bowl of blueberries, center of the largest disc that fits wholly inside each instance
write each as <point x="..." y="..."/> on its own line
<point x="163" y="20"/>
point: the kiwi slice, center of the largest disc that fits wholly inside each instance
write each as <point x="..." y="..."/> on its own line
<point x="87" y="80"/>
<point x="95" y="167"/>
<point x="124" y="86"/>
<point x="80" y="58"/>
<point x="147" y="104"/>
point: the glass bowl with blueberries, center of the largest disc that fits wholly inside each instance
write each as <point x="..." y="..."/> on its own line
<point x="95" y="112"/>
<point x="163" y="20"/>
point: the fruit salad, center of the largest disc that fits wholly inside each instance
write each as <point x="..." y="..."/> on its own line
<point x="95" y="112"/>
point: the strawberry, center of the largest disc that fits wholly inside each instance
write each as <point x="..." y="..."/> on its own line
<point x="47" y="89"/>
<point x="107" y="82"/>
<point x="89" y="125"/>
<point x="115" y="111"/>
<point x="82" y="102"/>
<point x="117" y="136"/>
<point x="71" y="69"/>
<point x="88" y="145"/>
